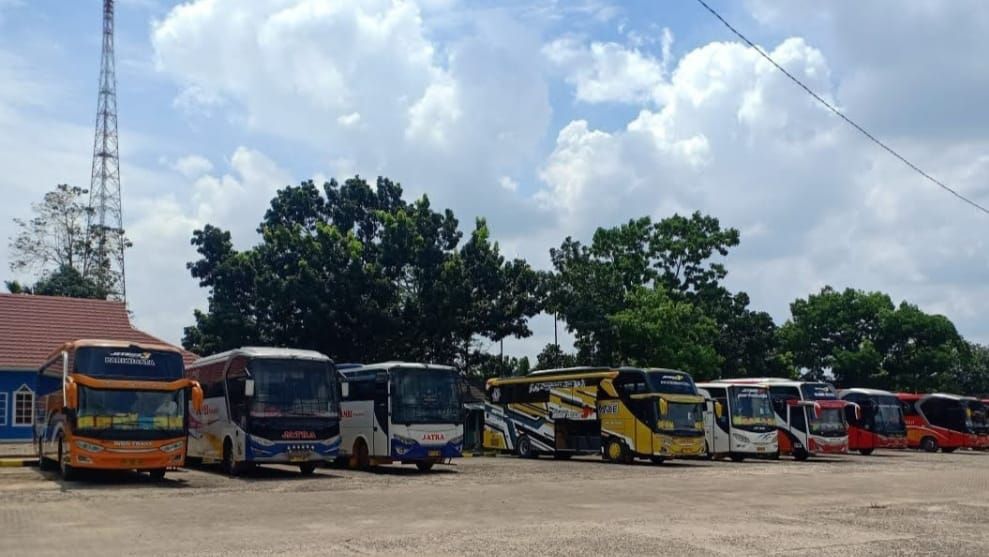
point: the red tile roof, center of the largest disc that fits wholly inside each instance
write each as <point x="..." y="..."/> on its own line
<point x="31" y="327"/>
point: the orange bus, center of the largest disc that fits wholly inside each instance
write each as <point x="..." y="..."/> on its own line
<point x="121" y="406"/>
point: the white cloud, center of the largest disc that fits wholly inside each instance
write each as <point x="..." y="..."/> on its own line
<point x="349" y="120"/>
<point x="608" y="72"/>
<point x="192" y="166"/>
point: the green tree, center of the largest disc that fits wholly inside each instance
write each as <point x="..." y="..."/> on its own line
<point x="58" y="244"/>
<point x="863" y="340"/>
<point x="656" y="329"/>
<point x="356" y="272"/>
<point x="553" y="357"/>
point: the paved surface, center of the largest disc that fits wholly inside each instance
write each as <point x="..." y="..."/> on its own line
<point x="891" y="503"/>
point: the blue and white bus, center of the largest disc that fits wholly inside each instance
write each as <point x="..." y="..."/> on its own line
<point x="401" y="412"/>
<point x="266" y="405"/>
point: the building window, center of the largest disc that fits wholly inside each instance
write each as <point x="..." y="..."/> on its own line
<point x="23" y="406"/>
<point x="3" y="409"/>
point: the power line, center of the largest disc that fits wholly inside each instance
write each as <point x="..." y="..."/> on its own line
<point x="847" y="120"/>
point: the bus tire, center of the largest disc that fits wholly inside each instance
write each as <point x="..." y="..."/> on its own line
<point x="736" y="457"/>
<point x="524" y="447"/>
<point x="615" y="451"/>
<point x="658" y="459"/>
<point x="67" y="471"/>
<point x="44" y="463"/>
<point x="230" y="465"/>
<point x="425" y="466"/>
<point x="948" y="450"/>
<point x="157" y="474"/>
<point x="360" y="459"/>
<point x="929" y="444"/>
<point x="800" y="454"/>
<point x="307" y="468"/>
<point x="865" y="452"/>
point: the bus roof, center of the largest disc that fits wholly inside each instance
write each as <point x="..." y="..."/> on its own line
<point x="720" y="383"/>
<point x="109" y="343"/>
<point x="768" y="381"/>
<point x="392" y="365"/>
<point x="262" y="352"/>
<point x="569" y="371"/>
<point x="865" y="391"/>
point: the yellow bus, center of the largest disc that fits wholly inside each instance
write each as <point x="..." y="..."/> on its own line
<point x="121" y="406"/>
<point x="621" y="413"/>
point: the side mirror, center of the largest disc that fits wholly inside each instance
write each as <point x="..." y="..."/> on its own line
<point x="249" y="388"/>
<point x="344" y="390"/>
<point x="71" y="394"/>
<point x="664" y="407"/>
<point x="719" y="410"/>
<point x="197" y="397"/>
<point x="609" y="388"/>
<point x="858" y="410"/>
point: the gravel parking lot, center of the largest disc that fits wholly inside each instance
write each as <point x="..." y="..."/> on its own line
<point x="889" y="503"/>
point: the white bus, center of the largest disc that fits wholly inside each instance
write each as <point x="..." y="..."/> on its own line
<point x="810" y="418"/>
<point x="401" y="412"/>
<point x="747" y="426"/>
<point x="266" y="405"/>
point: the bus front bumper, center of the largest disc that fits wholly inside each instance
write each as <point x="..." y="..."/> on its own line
<point x="126" y="455"/>
<point x="293" y="452"/>
<point x="415" y="451"/>
<point x="673" y="447"/>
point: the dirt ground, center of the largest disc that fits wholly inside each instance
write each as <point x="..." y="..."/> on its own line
<point x="886" y="504"/>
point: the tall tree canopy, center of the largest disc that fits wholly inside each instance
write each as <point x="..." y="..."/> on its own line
<point x="677" y="258"/>
<point x="864" y="340"/>
<point x="58" y="244"/>
<point x="360" y="274"/>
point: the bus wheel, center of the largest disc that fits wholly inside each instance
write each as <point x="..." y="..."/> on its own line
<point x="948" y="449"/>
<point x="43" y="462"/>
<point x="524" y="447"/>
<point x="736" y="458"/>
<point x="307" y="468"/>
<point x="157" y="475"/>
<point x="929" y="444"/>
<point x="615" y="451"/>
<point x="800" y="454"/>
<point x="658" y="459"/>
<point x="865" y="452"/>
<point x="230" y="466"/>
<point x="424" y="466"/>
<point x="68" y="472"/>
<point x="360" y="459"/>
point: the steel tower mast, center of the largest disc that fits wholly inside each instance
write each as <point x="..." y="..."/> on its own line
<point x="105" y="219"/>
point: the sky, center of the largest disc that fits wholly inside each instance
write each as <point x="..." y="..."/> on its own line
<point x="549" y="118"/>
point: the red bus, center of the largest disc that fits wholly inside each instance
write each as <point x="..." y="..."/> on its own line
<point x="977" y="409"/>
<point x="936" y="421"/>
<point x="879" y="424"/>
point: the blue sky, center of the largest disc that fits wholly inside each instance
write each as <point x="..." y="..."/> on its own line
<point x="550" y="118"/>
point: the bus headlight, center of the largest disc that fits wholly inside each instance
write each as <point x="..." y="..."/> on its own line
<point x="171" y="447"/>
<point x="739" y="438"/>
<point x="405" y="440"/>
<point x="262" y="441"/>
<point x="87" y="446"/>
<point x="458" y="440"/>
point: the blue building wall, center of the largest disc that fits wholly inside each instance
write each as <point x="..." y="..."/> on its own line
<point x="12" y="382"/>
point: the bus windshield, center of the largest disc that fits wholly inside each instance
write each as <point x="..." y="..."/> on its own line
<point x="128" y="363"/>
<point x="682" y="418"/>
<point x="818" y="391"/>
<point x="830" y="422"/>
<point x="980" y="420"/>
<point x="888" y="415"/>
<point x="104" y="413"/>
<point x="425" y="396"/>
<point x="293" y="387"/>
<point x="671" y="382"/>
<point x="751" y="409"/>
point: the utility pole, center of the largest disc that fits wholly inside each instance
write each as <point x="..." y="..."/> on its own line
<point x="106" y="261"/>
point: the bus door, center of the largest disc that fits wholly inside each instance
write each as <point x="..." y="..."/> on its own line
<point x="644" y="410"/>
<point x="380" y="443"/>
<point x="720" y="425"/>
